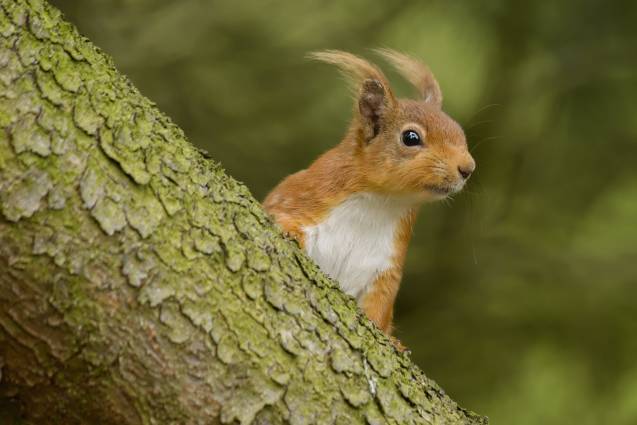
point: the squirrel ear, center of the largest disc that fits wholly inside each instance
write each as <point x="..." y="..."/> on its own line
<point x="431" y="90"/>
<point x="373" y="102"/>
<point x="417" y="73"/>
<point x="374" y="93"/>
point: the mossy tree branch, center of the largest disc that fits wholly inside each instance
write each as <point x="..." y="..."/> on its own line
<point x="141" y="285"/>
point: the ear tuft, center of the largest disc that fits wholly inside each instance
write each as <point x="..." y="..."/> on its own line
<point x="417" y="73"/>
<point x="354" y="68"/>
<point x="371" y="87"/>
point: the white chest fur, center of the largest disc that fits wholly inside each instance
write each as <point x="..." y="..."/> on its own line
<point x="356" y="241"/>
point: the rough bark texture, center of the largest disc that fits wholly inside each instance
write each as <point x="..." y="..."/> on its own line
<point x="141" y="285"/>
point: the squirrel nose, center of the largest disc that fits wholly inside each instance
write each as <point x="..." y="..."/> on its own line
<point x="466" y="170"/>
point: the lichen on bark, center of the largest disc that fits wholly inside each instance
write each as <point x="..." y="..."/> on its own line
<point x="140" y="284"/>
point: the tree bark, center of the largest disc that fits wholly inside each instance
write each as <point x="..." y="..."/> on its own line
<point x="139" y="284"/>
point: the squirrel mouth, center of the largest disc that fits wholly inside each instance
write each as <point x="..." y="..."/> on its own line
<point x="439" y="190"/>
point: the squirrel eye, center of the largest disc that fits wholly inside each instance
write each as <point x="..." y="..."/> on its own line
<point x="411" y="138"/>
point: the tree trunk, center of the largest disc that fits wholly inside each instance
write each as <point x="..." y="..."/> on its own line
<point x="141" y="285"/>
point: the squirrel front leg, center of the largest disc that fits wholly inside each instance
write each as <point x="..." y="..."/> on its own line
<point x="378" y="302"/>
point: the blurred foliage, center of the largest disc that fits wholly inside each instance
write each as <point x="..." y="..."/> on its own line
<point x="519" y="296"/>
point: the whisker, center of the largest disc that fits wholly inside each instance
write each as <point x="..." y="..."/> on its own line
<point x="474" y="125"/>
<point x="484" y="108"/>
<point x="478" y="143"/>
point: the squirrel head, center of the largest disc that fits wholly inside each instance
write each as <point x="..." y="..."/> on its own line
<point x="402" y="146"/>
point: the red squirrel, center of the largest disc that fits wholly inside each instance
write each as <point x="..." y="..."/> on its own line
<point x="353" y="209"/>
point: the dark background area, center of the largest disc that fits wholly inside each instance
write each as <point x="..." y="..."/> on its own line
<point x="520" y="296"/>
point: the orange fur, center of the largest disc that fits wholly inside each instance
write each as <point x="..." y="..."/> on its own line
<point x="372" y="158"/>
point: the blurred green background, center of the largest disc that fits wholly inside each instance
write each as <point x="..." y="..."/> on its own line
<point x="519" y="296"/>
